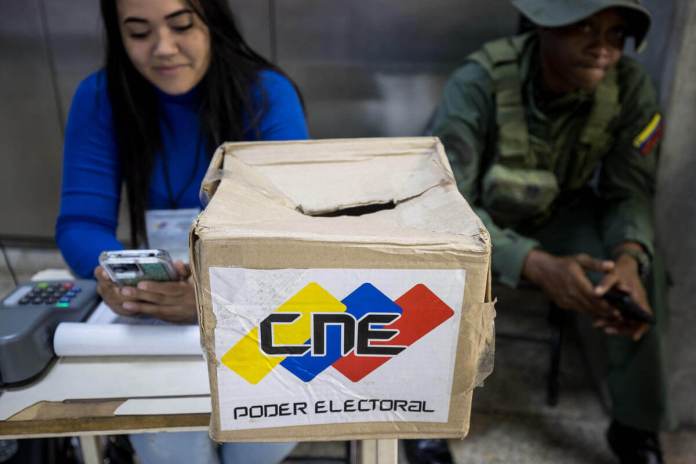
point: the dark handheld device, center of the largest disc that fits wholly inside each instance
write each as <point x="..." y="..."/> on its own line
<point x="627" y="307"/>
<point x="28" y="319"/>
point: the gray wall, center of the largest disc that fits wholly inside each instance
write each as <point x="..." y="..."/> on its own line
<point x="376" y="67"/>
<point x="30" y="121"/>
<point x="366" y="68"/>
<point x="676" y="211"/>
<point x="46" y="48"/>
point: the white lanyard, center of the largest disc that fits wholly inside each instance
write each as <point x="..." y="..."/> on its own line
<point x="168" y="229"/>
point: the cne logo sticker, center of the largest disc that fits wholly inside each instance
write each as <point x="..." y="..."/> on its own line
<point x="313" y="331"/>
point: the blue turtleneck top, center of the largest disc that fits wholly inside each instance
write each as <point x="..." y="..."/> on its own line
<point x="92" y="181"/>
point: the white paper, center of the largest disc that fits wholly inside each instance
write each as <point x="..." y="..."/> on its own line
<point x="157" y="406"/>
<point x="168" y="229"/>
<point x="52" y="274"/>
<point x="104" y="378"/>
<point x="79" y="339"/>
<point x="102" y="314"/>
<point x="154" y="385"/>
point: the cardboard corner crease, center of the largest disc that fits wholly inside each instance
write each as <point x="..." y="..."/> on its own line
<point x="343" y="291"/>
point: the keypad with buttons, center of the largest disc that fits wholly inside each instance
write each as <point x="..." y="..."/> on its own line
<point x="53" y="294"/>
<point x="28" y="316"/>
<point x="58" y="294"/>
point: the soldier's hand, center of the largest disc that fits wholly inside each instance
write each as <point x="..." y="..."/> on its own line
<point x="564" y="280"/>
<point x="625" y="277"/>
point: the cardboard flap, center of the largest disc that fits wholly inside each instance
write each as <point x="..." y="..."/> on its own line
<point x="347" y="175"/>
<point x="274" y="189"/>
<point x="212" y="176"/>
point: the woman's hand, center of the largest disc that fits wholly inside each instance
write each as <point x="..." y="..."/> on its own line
<point x="170" y="301"/>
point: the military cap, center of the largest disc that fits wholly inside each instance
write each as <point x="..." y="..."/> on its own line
<point x="557" y="13"/>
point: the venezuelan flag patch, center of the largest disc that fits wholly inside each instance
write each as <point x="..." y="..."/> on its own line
<point x="648" y="137"/>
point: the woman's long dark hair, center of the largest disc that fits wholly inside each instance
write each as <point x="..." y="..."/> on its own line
<point x="225" y="96"/>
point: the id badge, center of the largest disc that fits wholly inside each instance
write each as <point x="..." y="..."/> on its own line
<point x="168" y="229"/>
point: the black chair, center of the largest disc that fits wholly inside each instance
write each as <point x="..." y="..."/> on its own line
<point x="553" y="337"/>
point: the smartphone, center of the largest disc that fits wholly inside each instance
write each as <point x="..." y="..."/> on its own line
<point x="627" y="307"/>
<point x="128" y="267"/>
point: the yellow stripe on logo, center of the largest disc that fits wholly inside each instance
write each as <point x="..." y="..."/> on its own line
<point x="648" y="131"/>
<point x="246" y="358"/>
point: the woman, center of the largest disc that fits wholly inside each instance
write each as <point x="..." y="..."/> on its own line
<point x="179" y="80"/>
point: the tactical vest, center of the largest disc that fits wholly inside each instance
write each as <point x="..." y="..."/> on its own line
<point x="514" y="189"/>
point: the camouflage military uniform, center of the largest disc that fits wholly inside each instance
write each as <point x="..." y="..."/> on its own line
<point x="573" y="197"/>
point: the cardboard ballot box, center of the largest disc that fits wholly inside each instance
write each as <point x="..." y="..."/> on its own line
<point x="343" y="291"/>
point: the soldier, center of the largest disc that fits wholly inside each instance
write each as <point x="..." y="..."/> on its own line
<point x="553" y="138"/>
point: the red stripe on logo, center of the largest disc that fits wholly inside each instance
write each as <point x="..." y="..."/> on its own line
<point x="422" y="312"/>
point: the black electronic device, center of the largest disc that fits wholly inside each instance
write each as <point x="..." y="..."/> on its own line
<point x="28" y="319"/>
<point x="628" y="308"/>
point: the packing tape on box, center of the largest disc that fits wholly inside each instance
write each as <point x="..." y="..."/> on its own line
<point x="486" y="345"/>
<point x="247" y="178"/>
